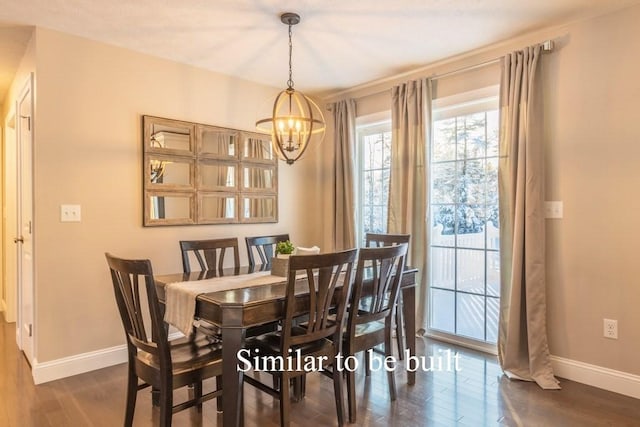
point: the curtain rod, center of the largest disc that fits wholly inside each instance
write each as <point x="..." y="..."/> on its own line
<point x="547" y="46"/>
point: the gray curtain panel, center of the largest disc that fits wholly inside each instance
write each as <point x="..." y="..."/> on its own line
<point x="408" y="188"/>
<point x="522" y="340"/>
<point x="344" y="221"/>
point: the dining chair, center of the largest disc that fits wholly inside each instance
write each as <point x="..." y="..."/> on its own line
<point x="210" y="256"/>
<point x="322" y="275"/>
<point x="383" y="239"/>
<point x="165" y="365"/>
<point x="264" y="246"/>
<point x="209" y="253"/>
<point x="370" y="318"/>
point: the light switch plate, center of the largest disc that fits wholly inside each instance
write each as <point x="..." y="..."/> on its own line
<point x="553" y="210"/>
<point x="70" y="213"/>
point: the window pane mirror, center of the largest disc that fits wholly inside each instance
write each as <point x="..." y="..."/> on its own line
<point x="202" y="174"/>
<point x="170" y="208"/>
<point x="218" y="142"/>
<point x="257" y="148"/>
<point x="258" y="178"/>
<point x="218" y="208"/>
<point x="169" y="172"/>
<point x="217" y="176"/>
<point x="259" y="209"/>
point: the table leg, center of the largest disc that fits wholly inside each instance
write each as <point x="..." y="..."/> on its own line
<point x="232" y="378"/>
<point x="409" y="311"/>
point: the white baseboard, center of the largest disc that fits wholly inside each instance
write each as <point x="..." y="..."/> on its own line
<point x="78" y="364"/>
<point x="81" y="363"/>
<point x="597" y="376"/>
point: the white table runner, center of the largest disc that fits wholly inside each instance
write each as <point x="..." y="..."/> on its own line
<point x="180" y="297"/>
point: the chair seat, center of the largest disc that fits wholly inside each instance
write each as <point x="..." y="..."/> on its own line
<point x="188" y="355"/>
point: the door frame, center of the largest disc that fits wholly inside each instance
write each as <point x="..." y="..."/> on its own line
<point x="27" y="91"/>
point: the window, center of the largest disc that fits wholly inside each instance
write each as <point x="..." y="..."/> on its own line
<point x="464" y="233"/>
<point x="374" y="163"/>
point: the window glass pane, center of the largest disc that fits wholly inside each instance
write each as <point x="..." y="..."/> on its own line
<point x="475" y="142"/>
<point x="443" y="319"/>
<point x="492" y="181"/>
<point x="374" y="163"/>
<point x="493" y="228"/>
<point x="470" y="226"/>
<point x="443" y="225"/>
<point x="493" y="126"/>
<point x="493" y="273"/>
<point x="471" y="182"/>
<point x="443" y="178"/>
<point x="379" y="223"/>
<point x="443" y="268"/>
<point x="470" y="316"/>
<point x="444" y="140"/>
<point x="493" y="308"/>
<point x="470" y="271"/>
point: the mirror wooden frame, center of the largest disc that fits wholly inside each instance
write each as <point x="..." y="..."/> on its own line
<point x="167" y="141"/>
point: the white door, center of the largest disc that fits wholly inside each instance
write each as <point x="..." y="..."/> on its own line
<point x="9" y="221"/>
<point x="24" y="239"/>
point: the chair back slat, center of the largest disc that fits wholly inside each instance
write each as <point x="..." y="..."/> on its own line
<point x="324" y="274"/>
<point x="381" y="268"/>
<point x="209" y="253"/>
<point x="264" y="246"/>
<point x="378" y="240"/>
<point x="130" y="279"/>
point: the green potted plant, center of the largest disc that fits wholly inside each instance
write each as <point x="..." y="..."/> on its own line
<point x="284" y="249"/>
<point x="280" y="262"/>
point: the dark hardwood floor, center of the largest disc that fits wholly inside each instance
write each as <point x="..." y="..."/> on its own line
<point x="479" y="395"/>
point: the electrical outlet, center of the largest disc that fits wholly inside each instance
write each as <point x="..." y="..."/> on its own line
<point x="611" y="329"/>
<point x="553" y="210"/>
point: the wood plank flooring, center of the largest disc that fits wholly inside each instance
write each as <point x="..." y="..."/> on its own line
<point x="479" y="395"/>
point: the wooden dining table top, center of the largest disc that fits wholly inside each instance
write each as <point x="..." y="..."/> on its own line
<point x="251" y="299"/>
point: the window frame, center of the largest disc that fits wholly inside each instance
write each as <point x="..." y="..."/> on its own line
<point x="462" y="104"/>
<point x="372" y="124"/>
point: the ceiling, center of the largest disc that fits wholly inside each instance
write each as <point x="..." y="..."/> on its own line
<point x="338" y="44"/>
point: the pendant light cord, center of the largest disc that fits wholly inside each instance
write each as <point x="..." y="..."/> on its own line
<point x="290" y="81"/>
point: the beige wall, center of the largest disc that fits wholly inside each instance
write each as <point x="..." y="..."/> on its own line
<point x="593" y="146"/>
<point x="88" y="151"/>
<point x="593" y="137"/>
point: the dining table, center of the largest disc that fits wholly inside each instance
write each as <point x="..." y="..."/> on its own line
<point x="236" y="310"/>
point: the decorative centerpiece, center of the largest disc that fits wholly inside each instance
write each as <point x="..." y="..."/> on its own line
<point x="280" y="262"/>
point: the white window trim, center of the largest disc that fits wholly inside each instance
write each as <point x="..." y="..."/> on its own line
<point x="374" y="122"/>
<point x="461" y="104"/>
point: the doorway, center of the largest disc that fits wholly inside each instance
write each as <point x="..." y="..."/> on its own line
<point x="24" y="220"/>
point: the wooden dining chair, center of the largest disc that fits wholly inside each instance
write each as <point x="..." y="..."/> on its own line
<point x="210" y="256"/>
<point x="264" y="246"/>
<point x="165" y="365"/>
<point x="379" y="240"/>
<point x="324" y="274"/>
<point x="371" y="323"/>
<point x="209" y="253"/>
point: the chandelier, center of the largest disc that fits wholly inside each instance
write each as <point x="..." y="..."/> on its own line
<point x="296" y="120"/>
